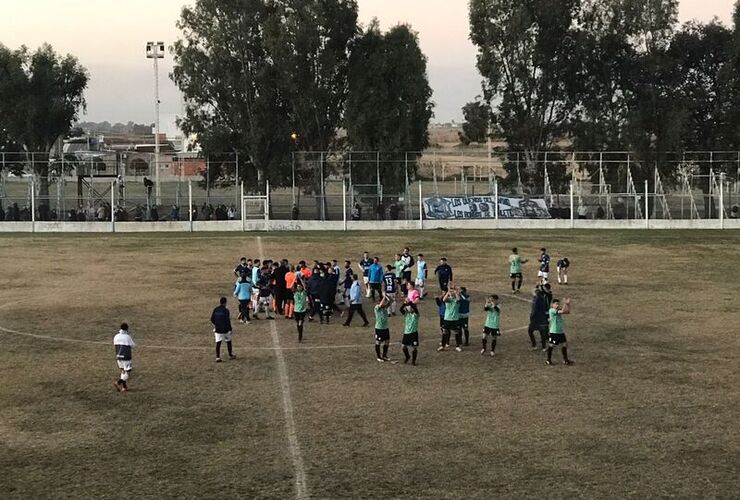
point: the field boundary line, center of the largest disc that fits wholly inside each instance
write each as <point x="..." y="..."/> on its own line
<point x="301" y="488"/>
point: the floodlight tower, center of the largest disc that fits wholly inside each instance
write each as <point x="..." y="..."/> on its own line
<point x="156" y="51"/>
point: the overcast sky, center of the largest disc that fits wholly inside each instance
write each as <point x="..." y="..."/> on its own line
<point x="109" y="36"/>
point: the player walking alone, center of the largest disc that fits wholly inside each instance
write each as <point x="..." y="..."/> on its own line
<point x="221" y="321"/>
<point x="124" y="345"/>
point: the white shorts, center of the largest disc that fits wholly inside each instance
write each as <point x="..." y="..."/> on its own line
<point x="542" y="274"/>
<point x="223" y="337"/>
<point x="365" y="280"/>
<point x="124" y="365"/>
<point x="419" y="282"/>
<point x="266" y="301"/>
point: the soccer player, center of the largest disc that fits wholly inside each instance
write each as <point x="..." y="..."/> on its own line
<point x="327" y="295"/>
<point x="408" y="262"/>
<point x="441" y="309"/>
<point x="355" y="302"/>
<point x="452" y="320"/>
<point x="557" y="330"/>
<point x="299" y="307"/>
<point x="493" y="321"/>
<point x="563" y="265"/>
<point x="290" y="279"/>
<point x="256" y="273"/>
<point x="390" y="288"/>
<point x="124" y="344"/>
<point x="243" y="293"/>
<point x="444" y="274"/>
<point x="515" y="270"/>
<point x="265" y="294"/>
<point x="410" y="331"/>
<point x="221" y="321"/>
<point x="375" y="277"/>
<point x="347" y="282"/>
<point x="421" y="275"/>
<point x="465" y="314"/>
<point x="242" y="267"/>
<point x="544" y="273"/>
<point x="538" y="318"/>
<point x="364" y="266"/>
<point x="382" y="333"/>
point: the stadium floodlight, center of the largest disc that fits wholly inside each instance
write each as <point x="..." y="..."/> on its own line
<point x="155" y="50"/>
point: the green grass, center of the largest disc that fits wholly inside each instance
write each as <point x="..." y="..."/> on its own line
<point x="649" y="410"/>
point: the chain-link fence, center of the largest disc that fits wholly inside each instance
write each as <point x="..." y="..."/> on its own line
<point x="88" y="186"/>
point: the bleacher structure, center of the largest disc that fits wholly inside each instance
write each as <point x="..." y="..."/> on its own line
<point x="660" y="198"/>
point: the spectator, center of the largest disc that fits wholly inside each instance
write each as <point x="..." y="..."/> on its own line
<point x="101" y="213"/>
<point x="393" y="211"/>
<point x="733" y="212"/>
<point x="294" y="212"/>
<point x="138" y="214"/>
<point x="16" y="213"/>
<point x="154" y="214"/>
<point x="380" y="210"/>
<point x="2" y="212"/>
<point x="582" y="211"/>
<point x="599" y="212"/>
<point x="357" y="211"/>
<point x="231" y="213"/>
<point x="175" y="213"/>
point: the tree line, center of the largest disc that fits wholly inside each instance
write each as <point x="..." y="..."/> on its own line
<point x="618" y="75"/>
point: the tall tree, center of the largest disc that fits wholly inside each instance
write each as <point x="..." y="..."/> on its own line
<point x="525" y="52"/>
<point x="41" y="96"/>
<point x="389" y="105"/>
<point x="477" y="122"/>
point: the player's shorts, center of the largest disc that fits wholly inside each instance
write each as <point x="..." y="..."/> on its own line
<point x="419" y="282"/>
<point x="223" y="337"/>
<point x="410" y="339"/>
<point x="464" y="322"/>
<point x="407" y="276"/>
<point x="365" y="280"/>
<point x="543" y="274"/>
<point x="375" y="286"/>
<point x="288" y="295"/>
<point x="451" y="325"/>
<point x="124" y="365"/>
<point x="299" y="316"/>
<point x="557" y="339"/>
<point x="516" y="275"/>
<point x="382" y="335"/>
<point x="538" y="327"/>
<point x="491" y="331"/>
<point x="266" y="301"/>
<point x="443" y="285"/>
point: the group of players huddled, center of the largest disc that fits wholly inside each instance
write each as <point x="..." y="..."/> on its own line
<point x="304" y="291"/>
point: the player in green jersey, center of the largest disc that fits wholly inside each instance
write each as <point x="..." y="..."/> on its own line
<point x="382" y="333"/>
<point x="300" y="301"/>
<point x="451" y="320"/>
<point x="492" y="326"/>
<point x="557" y="330"/>
<point x="410" y="331"/>
<point x="515" y="270"/>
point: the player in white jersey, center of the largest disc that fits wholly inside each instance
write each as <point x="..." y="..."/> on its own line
<point x="421" y="275"/>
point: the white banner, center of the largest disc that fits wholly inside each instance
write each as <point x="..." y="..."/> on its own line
<point x="483" y="207"/>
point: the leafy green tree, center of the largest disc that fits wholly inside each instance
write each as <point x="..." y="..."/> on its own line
<point x="475" y="128"/>
<point x="389" y="105"/>
<point x="526" y="50"/>
<point x="41" y="95"/>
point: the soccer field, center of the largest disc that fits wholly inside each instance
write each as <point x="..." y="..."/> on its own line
<point x="649" y="409"/>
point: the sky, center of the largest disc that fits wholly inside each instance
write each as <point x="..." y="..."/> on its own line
<point x="109" y="37"/>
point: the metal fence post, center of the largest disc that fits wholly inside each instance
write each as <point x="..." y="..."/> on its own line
<point x="344" y="203"/>
<point x="267" y="205"/>
<point x="190" y="203"/>
<point x="421" y="207"/>
<point x="647" y="206"/>
<point x="572" y="206"/>
<point x="241" y="209"/>
<point x="236" y="182"/>
<point x="112" y="207"/>
<point x="495" y="197"/>
<point x="323" y="193"/>
<point x="33" y="206"/>
<point x="722" y="200"/>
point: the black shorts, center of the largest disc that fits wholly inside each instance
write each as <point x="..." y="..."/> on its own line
<point x="516" y="275"/>
<point x="464" y="322"/>
<point x="375" y="286"/>
<point x="407" y="276"/>
<point x="410" y="339"/>
<point x="538" y="327"/>
<point x="299" y="316"/>
<point x="382" y="335"/>
<point x="443" y="285"/>
<point x="491" y="331"/>
<point x="557" y="339"/>
<point x="288" y="295"/>
<point x="451" y="325"/>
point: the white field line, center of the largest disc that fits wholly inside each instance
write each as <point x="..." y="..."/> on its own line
<point x="301" y="489"/>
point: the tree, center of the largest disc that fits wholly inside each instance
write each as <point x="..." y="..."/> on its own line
<point x="41" y="95"/>
<point x="389" y="104"/>
<point x="525" y="52"/>
<point x="254" y="71"/>
<point x="228" y="78"/>
<point x="475" y="128"/>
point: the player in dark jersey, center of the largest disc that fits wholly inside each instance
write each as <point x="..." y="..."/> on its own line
<point x="444" y="274"/>
<point x="465" y="314"/>
<point x="364" y="266"/>
<point x="563" y="265"/>
<point x="390" y="288"/>
<point x="544" y="273"/>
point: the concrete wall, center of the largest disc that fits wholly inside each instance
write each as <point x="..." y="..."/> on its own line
<point x="276" y="225"/>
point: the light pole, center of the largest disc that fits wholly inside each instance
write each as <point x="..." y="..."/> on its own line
<point x="156" y="51"/>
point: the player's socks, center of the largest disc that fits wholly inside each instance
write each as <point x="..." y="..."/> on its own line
<point x="565" y="356"/>
<point x="466" y="333"/>
<point x="531" y="338"/>
<point x="229" y="348"/>
<point x="414" y="354"/>
<point x="385" y="351"/>
<point x="218" y="350"/>
<point x="549" y="355"/>
<point x="458" y="339"/>
<point x="513" y="286"/>
<point x="493" y="344"/>
<point x="300" y="332"/>
<point x="377" y="351"/>
<point x="406" y="354"/>
<point x="485" y="343"/>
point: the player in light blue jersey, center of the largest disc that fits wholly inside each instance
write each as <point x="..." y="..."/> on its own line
<point x="421" y="275"/>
